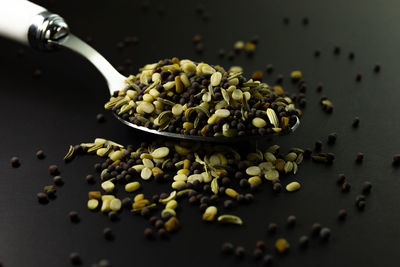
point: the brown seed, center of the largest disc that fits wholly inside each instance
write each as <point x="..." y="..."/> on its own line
<point x="40" y="154"/>
<point x="15" y="163"/>
<point x="74" y="217"/>
<point x="342" y="214"/>
<point x="100" y="117"/>
<point x="172" y="224"/>
<point x="260" y="244"/>
<point x="148" y="233"/>
<point x="53" y="170"/>
<point x="42" y="198"/>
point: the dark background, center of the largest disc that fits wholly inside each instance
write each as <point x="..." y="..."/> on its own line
<point x="59" y="109"/>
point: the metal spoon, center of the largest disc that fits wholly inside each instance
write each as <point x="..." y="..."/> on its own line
<point x="33" y="25"/>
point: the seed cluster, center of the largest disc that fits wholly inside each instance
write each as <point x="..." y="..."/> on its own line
<point x="184" y="97"/>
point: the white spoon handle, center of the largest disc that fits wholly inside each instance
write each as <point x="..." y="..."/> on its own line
<point x="16" y="16"/>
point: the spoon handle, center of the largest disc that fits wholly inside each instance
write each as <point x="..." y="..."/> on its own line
<point x="30" y="24"/>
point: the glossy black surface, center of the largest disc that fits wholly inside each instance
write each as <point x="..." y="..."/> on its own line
<point x="60" y="108"/>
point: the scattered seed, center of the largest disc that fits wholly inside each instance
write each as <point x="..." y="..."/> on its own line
<point x="148" y="233"/>
<point x="346" y="187"/>
<point x="358" y="77"/>
<point x="257" y="253"/>
<point x="40" y="154"/>
<point x="305" y="21"/>
<point x="361" y="204"/>
<point x="92" y="204"/>
<point x="260" y="244"/>
<point x="53" y="170"/>
<point x="100" y="118"/>
<point x="272" y="227"/>
<point x="57" y="180"/>
<point x="42" y="198"/>
<point x="90" y="179"/>
<point x="75" y="258"/>
<point x="282" y="245"/>
<point x="74" y="217"/>
<point x="342" y="214"/>
<point x="227" y="248"/>
<point x="303" y="241"/>
<point x="108" y="234"/>
<point x="15" y="162"/>
<point x="341" y="178"/>
<point x="336" y="50"/>
<point x="359" y="157"/>
<point x="317" y="53"/>
<point x="268" y="260"/>
<point x="332" y="138"/>
<point x="377" y="68"/>
<point x="172" y="224"/>
<point x="351" y="55"/>
<point x="366" y="188"/>
<point x="325" y="233"/>
<point x="291" y="221"/>
<point x="293" y="186"/>
<point x="240" y="252"/>
<point x="230" y="219"/>
<point x="316" y="229"/>
<point x="356" y="122"/>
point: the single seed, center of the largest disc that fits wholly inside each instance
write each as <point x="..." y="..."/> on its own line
<point x="316" y="229"/>
<point x="95" y="195"/>
<point x="396" y="159"/>
<point x="107" y="186"/>
<point x="282" y="245"/>
<point x="75" y="258"/>
<point x="15" y="163"/>
<point x="293" y="186"/>
<point x="131" y="187"/>
<point x="231" y="193"/>
<point x="148" y="233"/>
<point x="377" y="68"/>
<point x="257" y="253"/>
<point x="227" y="248"/>
<point x="42" y="198"/>
<point x="359" y="157"/>
<point x="74" y="217"/>
<point x="303" y="241"/>
<point x="342" y="214"/>
<point x="341" y="178"/>
<point x="358" y="77"/>
<point x="108" y="234"/>
<point x="325" y="234"/>
<point x="361" y="204"/>
<point x="272" y="227"/>
<point x="366" y="189"/>
<point x="267" y="260"/>
<point x="291" y="221"/>
<point x="57" y="180"/>
<point x="332" y="138"/>
<point x="40" y="154"/>
<point x="240" y="252"/>
<point x="100" y="118"/>
<point x="172" y="224"/>
<point x="346" y="187"/>
<point x="356" y="122"/>
<point x="92" y="204"/>
<point x="115" y="204"/>
<point x="53" y="170"/>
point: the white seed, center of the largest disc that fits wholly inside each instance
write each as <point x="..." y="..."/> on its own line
<point x="237" y="95"/>
<point x="133" y="186"/>
<point x="105" y="205"/>
<point x="115" y="204"/>
<point x="195" y="177"/>
<point x="160" y="152"/>
<point x="207" y="69"/>
<point x="107" y="186"/>
<point x="148" y="98"/>
<point x="146" y="173"/>
<point x="147" y="107"/>
<point x="253" y="170"/>
<point x="177" y="109"/>
<point x="180" y="177"/>
<point x="172" y="204"/>
<point x="210" y="213"/>
<point x="215" y="79"/>
<point x="271" y="175"/>
<point x="115" y="155"/>
<point x="293" y="186"/>
<point x="222" y="113"/>
<point x="177" y="184"/>
<point x="93" y="203"/>
<point x="258" y="122"/>
<point x="169" y="85"/>
<point x="148" y="163"/>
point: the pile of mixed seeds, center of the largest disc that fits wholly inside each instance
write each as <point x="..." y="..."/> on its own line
<point x="214" y="177"/>
<point x="185" y="97"/>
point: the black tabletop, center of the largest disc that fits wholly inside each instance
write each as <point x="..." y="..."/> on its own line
<point x="59" y="108"/>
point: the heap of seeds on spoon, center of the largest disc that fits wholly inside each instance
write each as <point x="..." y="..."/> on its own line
<point x="185" y="97"/>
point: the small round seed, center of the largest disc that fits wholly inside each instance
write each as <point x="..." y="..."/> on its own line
<point x="277" y="187"/>
<point x="260" y="244"/>
<point x="346" y="187"/>
<point x="75" y="258"/>
<point x="100" y="117"/>
<point x="316" y="229"/>
<point x="282" y="245"/>
<point x="227" y="248"/>
<point x="367" y="186"/>
<point x="268" y="260"/>
<point x="342" y="214"/>
<point x="257" y="253"/>
<point x="356" y="122"/>
<point x="40" y="154"/>
<point x="74" y="217"/>
<point x="115" y="204"/>
<point x="341" y="178"/>
<point x="108" y="234"/>
<point x="90" y="179"/>
<point x="148" y="233"/>
<point x="272" y="227"/>
<point x="42" y="198"/>
<point x="53" y="170"/>
<point x="359" y="157"/>
<point x="325" y="233"/>
<point x="93" y="204"/>
<point x="15" y="162"/>
<point x="57" y="180"/>
<point x="291" y="221"/>
<point x="303" y="241"/>
<point x="240" y="252"/>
